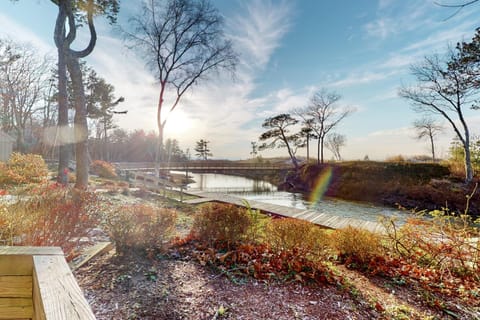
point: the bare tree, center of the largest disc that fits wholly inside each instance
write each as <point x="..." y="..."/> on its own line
<point x="279" y="135"/>
<point x="334" y="142"/>
<point x="23" y="81"/>
<point x="444" y="89"/>
<point x="182" y="42"/>
<point x="326" y="113"/>
<point x="427" y="127"/>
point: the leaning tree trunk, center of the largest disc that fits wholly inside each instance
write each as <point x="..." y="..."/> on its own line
<point x="79" y="123"/>
<point x="468" y="163"/>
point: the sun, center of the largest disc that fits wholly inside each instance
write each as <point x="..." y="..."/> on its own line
<point x="178" y="124"/>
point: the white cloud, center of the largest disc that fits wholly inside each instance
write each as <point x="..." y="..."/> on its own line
<point x="258" y="33"/>
<point x="381" y="28"/>
<point x="358" y="78"/>
<point x="404" y="131"/>
<point x="11" y="29"/>
<point x="395" y="17"/>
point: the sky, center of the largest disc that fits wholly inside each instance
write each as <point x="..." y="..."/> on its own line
<point x="288" y="50"/>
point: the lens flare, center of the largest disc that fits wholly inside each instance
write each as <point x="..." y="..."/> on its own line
<point x="321" y="185"/>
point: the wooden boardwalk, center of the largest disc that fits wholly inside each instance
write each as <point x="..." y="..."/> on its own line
<point x="321" y="219"/>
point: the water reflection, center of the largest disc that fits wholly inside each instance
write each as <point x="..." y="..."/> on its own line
<point x="263" y="191"/>
<point x="214" y="182"/>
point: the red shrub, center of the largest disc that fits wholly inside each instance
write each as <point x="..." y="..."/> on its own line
<point x="51" y="216"/>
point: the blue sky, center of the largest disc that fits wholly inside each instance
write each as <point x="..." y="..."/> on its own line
<point x="288" y="50"/>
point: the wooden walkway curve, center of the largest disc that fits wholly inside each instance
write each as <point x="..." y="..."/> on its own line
<point x="318" y="218"/>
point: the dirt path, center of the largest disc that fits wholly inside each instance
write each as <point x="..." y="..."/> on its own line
<point x="174" y="289"/>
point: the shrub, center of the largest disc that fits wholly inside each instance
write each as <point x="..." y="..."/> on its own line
<point x="288" y="234"/>
<point x="22" y="169"/>
<point x="103" y="169"/>
<point x="448" y="243"/>
<point x="397" y="158"/>
<point x="358" y="246"/>
<point x="256" y="231"/>
<point x="51" y="216"/>
<point x="139" y="227"/>
<point x="224" y="224"/>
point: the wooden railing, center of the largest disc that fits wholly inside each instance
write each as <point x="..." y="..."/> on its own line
<point x="36" y="283"/>
<point x="201" y="165"/>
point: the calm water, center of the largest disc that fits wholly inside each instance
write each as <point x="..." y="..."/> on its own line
<point x="265" y="192"/>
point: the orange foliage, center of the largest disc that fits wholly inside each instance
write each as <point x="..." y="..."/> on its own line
<point x="223" y="223"/>
<point x="22" y="169"/>
<point x="139" y="227"/>
<point x="103" y="169"/>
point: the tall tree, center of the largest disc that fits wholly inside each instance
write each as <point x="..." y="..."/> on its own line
<point x="202" y="150"/>
<point x="427" y="127"/>
<point x="334" y="142"/>
<point x="254" y="151"/>
<point x="101" y="102"/>
<point x="278" y="133"/>
<point x="444" y="89"/>
<point x="326" y="113"/>
<point x="182" y="42"/>
<point x="308" y="133"/>
<point x="70" y="15"/>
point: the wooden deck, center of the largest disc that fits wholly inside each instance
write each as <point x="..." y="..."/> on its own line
<point x="36" y="283"/>
<point x="321" y="219"/>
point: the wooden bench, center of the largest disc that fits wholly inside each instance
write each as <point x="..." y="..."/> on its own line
<point x="36" y="283"/>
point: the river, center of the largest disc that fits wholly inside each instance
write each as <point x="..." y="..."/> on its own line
<point x="266" y="192"/>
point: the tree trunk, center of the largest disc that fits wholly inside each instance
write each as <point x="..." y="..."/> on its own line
<point x="318" y="151"/>
<point x="292" y="156"/>
<point x="160" y="126"/>
<point x="433" y="148"/>
<point x="321" y="150"/>
<point x="468" y="162"/>
<point x="79" y="123"/>
<point x="62" y="126"/>
<point x="308" y="148"/>
<point x="158" y="149"/>
<point x="20" y="141"/>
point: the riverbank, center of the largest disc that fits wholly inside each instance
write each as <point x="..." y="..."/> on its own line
<point x="408" y="185"/>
